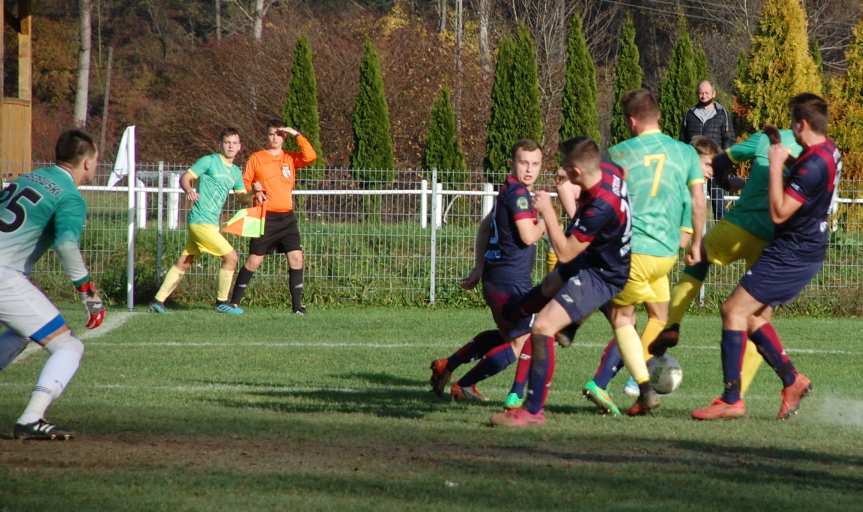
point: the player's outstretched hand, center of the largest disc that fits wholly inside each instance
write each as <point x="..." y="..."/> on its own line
<point x="470" y="282"/>
<point x="93" y="304"/>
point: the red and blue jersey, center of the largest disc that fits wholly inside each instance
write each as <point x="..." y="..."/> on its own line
<point x="603" y="218"/>
<point x="508" y="259"/>
<point x="814" y="181"/>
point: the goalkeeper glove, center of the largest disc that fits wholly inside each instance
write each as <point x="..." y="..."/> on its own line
<point x="93" y="304"/>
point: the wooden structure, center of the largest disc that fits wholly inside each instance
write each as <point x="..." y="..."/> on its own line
<point x="15" y="109"/>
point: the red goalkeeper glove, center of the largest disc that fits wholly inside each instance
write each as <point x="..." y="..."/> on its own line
<point x="93" y="304"/>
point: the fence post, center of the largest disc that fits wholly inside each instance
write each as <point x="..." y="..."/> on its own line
<point x="487" y="199"/>
<point x="174" y="203"/>
<point x="424" y="203"/>
<point x="434" y="214"/>
<point x="438" y="220"/>
<point x="159" y="218"/>
<point x="130" y="242"/>
<point x="141" y="207"/>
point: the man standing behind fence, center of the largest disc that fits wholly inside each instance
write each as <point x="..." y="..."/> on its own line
<point x="271" y="172"/>
<point x="216" y="175"/>
<point x="709" y="119"/>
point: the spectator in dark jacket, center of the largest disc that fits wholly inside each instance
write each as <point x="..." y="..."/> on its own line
<point x="709" y="119"/>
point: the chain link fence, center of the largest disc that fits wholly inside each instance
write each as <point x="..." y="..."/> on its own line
<point x="405" y="241"/>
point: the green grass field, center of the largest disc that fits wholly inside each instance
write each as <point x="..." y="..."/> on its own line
<point x="195" y="411"/>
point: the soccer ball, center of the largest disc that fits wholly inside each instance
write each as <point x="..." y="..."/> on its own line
<point x="665" y="374"/>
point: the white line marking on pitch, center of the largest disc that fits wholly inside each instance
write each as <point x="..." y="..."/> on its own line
<point x="112" y="321"/>
<point x="251" y="388"/>
<point x="312" y="344"/>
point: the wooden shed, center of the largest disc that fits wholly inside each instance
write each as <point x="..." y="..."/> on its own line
<point x="15" y="86"/>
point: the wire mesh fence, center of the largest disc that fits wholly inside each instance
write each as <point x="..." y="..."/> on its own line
<point x="399" y="241"/>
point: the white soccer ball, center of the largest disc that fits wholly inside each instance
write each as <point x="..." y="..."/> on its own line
<point x="665" y="374"/>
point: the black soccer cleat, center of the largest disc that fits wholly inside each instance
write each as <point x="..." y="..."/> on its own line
<point x="300" y="311"/>
<point x="41" y="430"/>
<point x="667" y="339"/>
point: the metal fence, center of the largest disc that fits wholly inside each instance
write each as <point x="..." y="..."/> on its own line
<point x="406" y="241"/>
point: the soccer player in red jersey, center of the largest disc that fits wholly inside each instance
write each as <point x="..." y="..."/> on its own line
<point x="799" y="207"/>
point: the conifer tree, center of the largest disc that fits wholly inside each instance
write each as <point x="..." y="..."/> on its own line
<point x="578" y="113"/>
<point x="515" y="103"/>
<point x="702" y="69"/>
<point x="677" y="88"/>
<point x="301" y="106"/>
<point x="627" y="76"/>
<point x="846" y="107"/>
<point x="372" y="159"/>
<point x="443" y="149"/>
<point x="779" y="65"/>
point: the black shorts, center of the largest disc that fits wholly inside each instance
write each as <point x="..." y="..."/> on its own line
<point x="281" y="234"/>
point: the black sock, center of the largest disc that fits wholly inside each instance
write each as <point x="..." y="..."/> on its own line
<point x="295" y="279"/>
<point x="243" y="279"/>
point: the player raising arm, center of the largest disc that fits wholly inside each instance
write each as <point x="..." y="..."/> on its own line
<point x="798" y="206"/>
<point x="37" y="211"/>
<point x="271" y="174"/>
<point x="594" y="255"/>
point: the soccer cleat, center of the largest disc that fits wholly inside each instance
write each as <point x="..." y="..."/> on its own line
<point x="566" y="336"/>
<point x="631" y="388"/>
<point x="646" y="402"/>
<point x="792" y="395"/>
<point x="667" y="339"/>
<point x="230" y="309"/>
<point x="440" y="377"/>
<point x="513" y="401"/>
<point x="41" y="430"/>
<point x="300" y="311"/>
<point x="719" y="410"/>
<point x="470" y="394"/>
<point x="158" y="307"/>
<point x="601" y="398"/>
<point x="520" y="417"/>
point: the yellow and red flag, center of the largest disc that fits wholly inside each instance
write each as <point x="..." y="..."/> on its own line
<point x="248" y="222"/>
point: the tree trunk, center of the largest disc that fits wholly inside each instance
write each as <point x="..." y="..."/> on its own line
<point x="259" y="20"/>
<point x="484" y="21"/>
<point x="218" y="19"/>
<point x="459" y="39"/>
<point x="442" y="8"/>
<point x="106" y="100"/>
<point x="83" y="65"/>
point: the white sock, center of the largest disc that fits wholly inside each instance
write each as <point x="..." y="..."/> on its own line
<point x="39" y="402"/>
<point x="59" y="369"/>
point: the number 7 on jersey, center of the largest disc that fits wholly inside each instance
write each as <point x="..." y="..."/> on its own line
<point x="659" y="159"/>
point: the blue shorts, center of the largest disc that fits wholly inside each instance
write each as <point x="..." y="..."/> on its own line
<point x="584" y="293"/>
<point x="497" y="296"/>
<point x="778" y="276"/>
